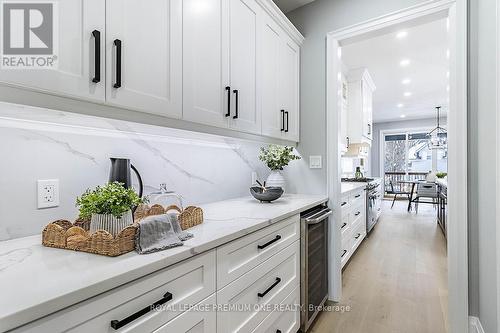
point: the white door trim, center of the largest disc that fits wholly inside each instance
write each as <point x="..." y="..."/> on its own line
<point x="457" y="160"/>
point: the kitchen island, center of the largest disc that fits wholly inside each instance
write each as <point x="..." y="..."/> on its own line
<point x="37" y="281"/>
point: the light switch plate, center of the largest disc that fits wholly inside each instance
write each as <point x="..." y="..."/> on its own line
<point x="48" y="193"/>
<point x="315" y="162"/>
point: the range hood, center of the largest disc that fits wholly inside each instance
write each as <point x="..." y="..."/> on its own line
<point x="357" y="150"/>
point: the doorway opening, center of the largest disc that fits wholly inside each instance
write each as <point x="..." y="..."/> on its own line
<point x="456" y="154"/>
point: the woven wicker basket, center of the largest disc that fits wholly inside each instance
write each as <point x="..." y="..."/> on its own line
<point x="188" y="217"/>
<point x="63" y="234"/>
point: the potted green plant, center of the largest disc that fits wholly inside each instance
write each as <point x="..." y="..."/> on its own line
<point x="276" y="158"/>
<point x="441" y="174"/>
<point x="108" y="207"/>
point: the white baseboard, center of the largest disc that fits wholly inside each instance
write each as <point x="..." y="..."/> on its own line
<point x="475" y="325"/>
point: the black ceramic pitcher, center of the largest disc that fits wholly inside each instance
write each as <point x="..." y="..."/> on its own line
<point x="120" y="172"/>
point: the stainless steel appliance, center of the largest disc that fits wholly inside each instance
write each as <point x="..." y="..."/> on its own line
<point x="373" y="203"/>
<point x="314" y="262"/>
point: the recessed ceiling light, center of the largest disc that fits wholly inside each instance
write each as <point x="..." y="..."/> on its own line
<point x="406" y="81"/>
<point x="448" y="54"/>
<point x="448" y="88"/>
<point x="400" y="105"/>
<point x="448" y="74"/>
<point x="401" y="34"/>
<point x="404" y="62"/>
<point x="407" y="94"/>
<point x="402" y="116"/>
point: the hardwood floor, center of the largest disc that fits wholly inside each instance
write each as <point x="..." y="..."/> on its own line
<point x="397" y="280"/>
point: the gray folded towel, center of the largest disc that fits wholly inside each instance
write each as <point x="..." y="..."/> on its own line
<point x="159" y="232"/>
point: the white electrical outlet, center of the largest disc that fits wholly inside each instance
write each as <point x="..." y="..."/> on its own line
<point x="254" y="178"/>
<point x="48" y="193"/>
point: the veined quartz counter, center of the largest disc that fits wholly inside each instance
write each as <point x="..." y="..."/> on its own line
<point x="36" y="281"/>
<point x="347" y="187"/>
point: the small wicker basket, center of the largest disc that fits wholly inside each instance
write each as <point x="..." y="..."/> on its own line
<point x="188" y="218"/>
<point x="63" y="234"/>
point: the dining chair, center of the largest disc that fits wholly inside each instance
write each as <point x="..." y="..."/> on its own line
<point x="395" y="192"/>
<point x="426" y="190"/>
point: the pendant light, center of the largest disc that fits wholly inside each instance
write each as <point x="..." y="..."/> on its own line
<point x="438" y="136"/>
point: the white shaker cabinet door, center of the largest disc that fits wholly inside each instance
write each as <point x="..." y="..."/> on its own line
<point x="289" y="87"/>
<point x="144" y="55"/>
<point x="78" y="34"/>
<point x="271" y="108"/>
<point x="206" y="62"/>
<point x="244" y="28"/>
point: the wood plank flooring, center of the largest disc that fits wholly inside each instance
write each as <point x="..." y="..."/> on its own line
<point x="397" y="280"/>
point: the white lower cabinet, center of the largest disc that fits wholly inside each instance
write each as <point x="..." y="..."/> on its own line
<point x="261" y="297"/>
<point x="353" y="223"/>
<point x="196" y="320"/>
<point x="286" y="319"/>
<point x="253" y="296"/>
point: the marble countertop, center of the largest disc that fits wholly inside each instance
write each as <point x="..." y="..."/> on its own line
<point x="36" y="281"/>
<point x="347" y="187"/>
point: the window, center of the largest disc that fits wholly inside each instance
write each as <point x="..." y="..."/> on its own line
<point x="408" y="156"/>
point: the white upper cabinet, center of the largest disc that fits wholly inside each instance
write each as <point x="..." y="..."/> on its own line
<point x="80" y="38"/>
<point x="206" y="61"/>
<point x="360" y="91"/>
<point x="232" y="64"/>
<point x="244" y="28"/>
<point x="144" y="55"/>
<point x="279" y="83"/>
<point x="289" y="88"/>
<point x="272" y="111"/>
<point x="344" y="136"/>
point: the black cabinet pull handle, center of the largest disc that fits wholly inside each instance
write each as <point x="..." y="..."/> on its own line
<point x="357" y="196"/>
<point x="357" y="213"/>
<point x="369" y="129"/>
<point x="282" y="120"/>
<point x="228" y="89"/>
<point x="235" y="91"/>
<point x="97" y="56"/>
<point x="359" y="235"/>
<point x="343" y="225"/>
<point x="277" y="238"/>
<point x="286" y="113"/>
<point x="348" y="142"/>
<point x="343" y="204"/>
<point x="278" y="280"/>
<point x="117" y="324"/>
<point x="343" y="254"/>
<point x="118" y="45"/>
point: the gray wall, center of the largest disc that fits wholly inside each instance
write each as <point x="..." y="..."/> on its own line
<point x="314" y="21"/>
<point x="393" y="125"/>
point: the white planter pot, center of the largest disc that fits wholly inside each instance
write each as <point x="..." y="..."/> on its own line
<point x="110" y="223"/>
<point x="276" y="179"/>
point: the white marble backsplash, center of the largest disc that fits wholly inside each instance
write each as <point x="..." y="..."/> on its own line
<point x="46" y="144"/>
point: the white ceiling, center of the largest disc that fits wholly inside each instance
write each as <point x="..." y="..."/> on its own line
<point x="289" y="5"/>
<point x="426" y="47"/>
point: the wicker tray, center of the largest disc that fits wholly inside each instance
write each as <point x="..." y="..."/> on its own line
<point x="188" y="217"/>
<point x="63" y="234"/>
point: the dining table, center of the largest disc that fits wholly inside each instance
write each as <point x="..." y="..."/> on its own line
<point x="412" y="183"/>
